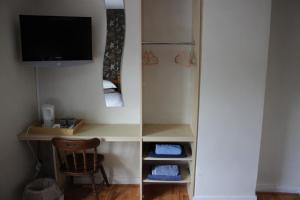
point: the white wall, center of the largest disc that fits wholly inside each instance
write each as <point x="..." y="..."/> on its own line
<point x="235" y="49"/>
<point x="76" y="90"/>
<point x="280" y="148"/>
<point x="17" y="104"/>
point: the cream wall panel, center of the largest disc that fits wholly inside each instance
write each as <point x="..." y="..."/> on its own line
<point x="233" y="78"/>
<point x="17" y="103"/>
<point x="167" y="20"/>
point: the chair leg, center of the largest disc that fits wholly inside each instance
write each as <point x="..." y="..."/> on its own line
<point x="94" y="185"/>
<point x="104" y="175"/>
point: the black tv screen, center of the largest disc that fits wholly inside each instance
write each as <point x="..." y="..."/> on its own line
<point x="54" y="38"/>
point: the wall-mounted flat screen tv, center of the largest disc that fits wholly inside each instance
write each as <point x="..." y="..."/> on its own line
<point x="55" y="38"/>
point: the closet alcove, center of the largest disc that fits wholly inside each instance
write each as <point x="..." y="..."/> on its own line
<point x="170" y="89"/>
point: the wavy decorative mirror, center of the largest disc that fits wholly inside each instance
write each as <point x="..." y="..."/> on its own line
<point x="115" y="36"/>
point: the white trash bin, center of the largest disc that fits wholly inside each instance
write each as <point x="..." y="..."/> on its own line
<point x="42" y="189"/>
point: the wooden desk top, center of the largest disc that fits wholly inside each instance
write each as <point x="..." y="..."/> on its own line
<point x="124" y="133"/>
<point x="105" y="132"/>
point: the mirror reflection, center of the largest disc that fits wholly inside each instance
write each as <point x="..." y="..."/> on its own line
<point x="115" y="36"/>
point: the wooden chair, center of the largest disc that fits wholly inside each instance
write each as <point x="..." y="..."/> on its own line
<point x="75" y="160"/>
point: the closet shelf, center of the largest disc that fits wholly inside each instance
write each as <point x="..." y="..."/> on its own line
<point x="186" y="148"/>
<point x="167" y="133"/>
<point x="186" y="178"/>
<point x="188" y="158"/>
<point x="169" y="43"/>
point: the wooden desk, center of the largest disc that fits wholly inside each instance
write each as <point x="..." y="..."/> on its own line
<point x="105" y="132"/>
<point x="181" y="133"/>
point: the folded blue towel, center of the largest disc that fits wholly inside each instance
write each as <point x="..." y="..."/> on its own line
<point x="169" y="149"/>
<point x="164" y="178"/>
<point x="156" y="174"/>
<point x="165" y="170"/>
<point x="151" y="153"/>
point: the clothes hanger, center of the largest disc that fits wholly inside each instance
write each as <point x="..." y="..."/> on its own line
<point x="184" y="58"/>
<point x="149" y="58"/>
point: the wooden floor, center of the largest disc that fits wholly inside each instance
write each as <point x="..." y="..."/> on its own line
<point x="114" y="192"/>
<point x="152" y="192"/>
<point x="277" y="196"/>
<point x="129" y="192"/>
<point x="165" y="192"/>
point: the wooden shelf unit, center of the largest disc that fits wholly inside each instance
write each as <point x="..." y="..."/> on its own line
<point x="165" y="128"/>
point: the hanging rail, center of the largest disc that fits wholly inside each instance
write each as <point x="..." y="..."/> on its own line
<point x="169" y="43"/>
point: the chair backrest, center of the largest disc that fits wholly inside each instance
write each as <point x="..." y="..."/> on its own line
<point x="73" y="157"/>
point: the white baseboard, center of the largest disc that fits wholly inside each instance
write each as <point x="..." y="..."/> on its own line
<point x="277" y="188"/>
<point x="225" y="197"/>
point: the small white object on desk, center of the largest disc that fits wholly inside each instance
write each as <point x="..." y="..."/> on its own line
<point x="48" y="115"/>
<point x="56" y="126"/>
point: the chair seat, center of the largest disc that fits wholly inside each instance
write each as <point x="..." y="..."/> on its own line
<point x="79" y="168"/>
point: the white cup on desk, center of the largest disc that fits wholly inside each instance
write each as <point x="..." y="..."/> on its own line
<point x="48" y="115"/>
